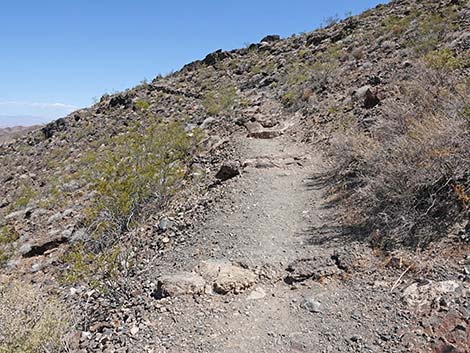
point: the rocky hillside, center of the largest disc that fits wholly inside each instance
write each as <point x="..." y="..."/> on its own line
<point x="341" y="156"/>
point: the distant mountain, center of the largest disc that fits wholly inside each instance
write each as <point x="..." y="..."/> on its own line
<point x="10" y="133"/>
<point x="21" y="120"/>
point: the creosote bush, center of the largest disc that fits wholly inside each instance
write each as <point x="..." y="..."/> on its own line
<point x="146" y="163"/>
<point x="30" y="320"/>
<point x="222" y="101"/>
<point x="407" y="178"/>
<point x="141" y="168"/>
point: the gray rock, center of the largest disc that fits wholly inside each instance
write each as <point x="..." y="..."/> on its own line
<point x="164" y="223"/>
<point x="15" y="215"/>
<point x="25" y="249"/>
<point x="365" y="97"/>
<point x="182" y="283"/>
<point x="417" y="295"/>
<point x="55" y="218"/>
<point x="78" y="236"/>
<point x="208" y="122"/>
<point x="310" y="304"/>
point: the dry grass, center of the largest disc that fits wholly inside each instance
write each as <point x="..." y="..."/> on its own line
<point x="30" y="320"/>
<point x="406" y="179"/>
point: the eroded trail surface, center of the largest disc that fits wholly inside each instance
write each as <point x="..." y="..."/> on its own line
<point x="270" y="284"/>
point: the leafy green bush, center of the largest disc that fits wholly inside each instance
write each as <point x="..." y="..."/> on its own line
<point x="30" y="320"/>
<point x="138" y="169"/>
<point x="96" y="269"/>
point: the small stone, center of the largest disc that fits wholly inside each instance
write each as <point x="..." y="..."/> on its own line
<point x="311" y="305"/>
<point x="256" y="294"/>
<point x="134" y="330"/>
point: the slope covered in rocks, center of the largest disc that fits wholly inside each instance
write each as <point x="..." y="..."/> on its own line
<point x="300" y="194"/>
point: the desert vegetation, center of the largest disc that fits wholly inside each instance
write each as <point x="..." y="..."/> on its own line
<point x="30" y="320"/>
<point x="406" y="180"/>
<point x="144" y="166"/>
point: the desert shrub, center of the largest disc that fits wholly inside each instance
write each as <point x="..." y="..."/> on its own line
<point x="302" y="79"/>
<point x="422" y="31"/>
<point x="30" y="320"/>
<point x="432" y="29"/>
<point x="443" y="60"/>
<point x="25" y="194"/>
<point x="221" y="101"/>
<point x="400" y="178"/>
<point x="397" y="25"/>
<point x="130" y="174"/>
<point x="147" y="163"/>
<point x="7" y="236"/>
<point x="98" y="269"/>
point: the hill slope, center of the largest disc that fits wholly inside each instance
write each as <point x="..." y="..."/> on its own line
<point x="298" y="193"/>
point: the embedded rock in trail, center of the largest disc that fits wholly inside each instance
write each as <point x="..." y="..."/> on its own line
<point x="226" y="277"/>
<point x="227" y="171"/>
<point x="178" y="284"/>
<point x="257" y="130"/>
<point x="314" y="268"/>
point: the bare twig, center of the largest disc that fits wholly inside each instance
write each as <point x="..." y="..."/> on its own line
<point x="397" y="282"/>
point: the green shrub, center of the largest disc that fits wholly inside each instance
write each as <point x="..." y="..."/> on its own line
<point x="96" y="269"/>
<point x="30" y="320"/>
<point x="146" y="163"/>
<point x="7" y="236"/>
<point x="443" y="60"/>
<point x="25" y="195"/>
<point x="222" y="101"/>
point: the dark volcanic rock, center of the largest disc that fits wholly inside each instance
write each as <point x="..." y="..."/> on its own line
<point x="228" y="171"/>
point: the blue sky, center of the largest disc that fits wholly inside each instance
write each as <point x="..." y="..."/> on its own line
<point x="57" y="55"/>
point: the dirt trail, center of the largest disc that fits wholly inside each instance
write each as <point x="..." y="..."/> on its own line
<point x="265" y="224"/>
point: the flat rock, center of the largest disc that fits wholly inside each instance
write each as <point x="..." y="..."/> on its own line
<point x="226" y="277"/>
<point x="313" y="268"/>
<point x="419" y="295"/>
<point x="178" y="284"/>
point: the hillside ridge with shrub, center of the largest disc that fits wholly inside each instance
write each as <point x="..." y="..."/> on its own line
<point x="320" y="174"/>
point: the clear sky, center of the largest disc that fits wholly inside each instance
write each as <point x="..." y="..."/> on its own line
<point x="57" y="55"/>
